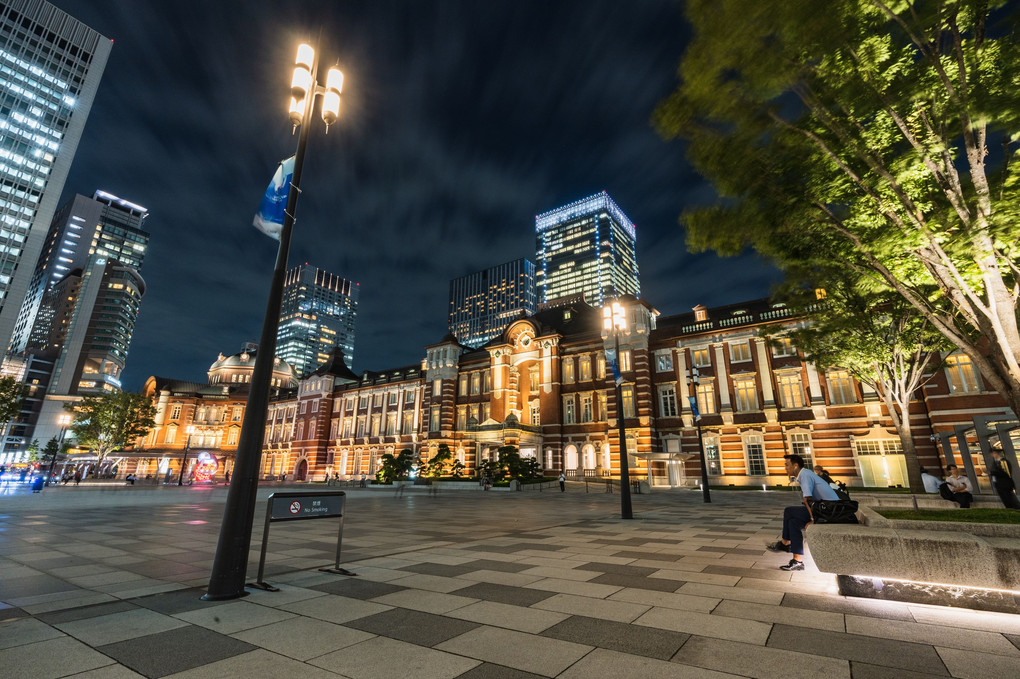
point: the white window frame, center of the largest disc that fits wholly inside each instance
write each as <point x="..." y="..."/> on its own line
<point x="663" y="361"/>
<point x="740" y="402"/>
<point x="667" y="401"/>
<point x="738" y="356"/>
<point x="961" y="374"/>
<point x="701" y="357"/>
<point x="758" y="441"/>
<point x="790" y="388"/>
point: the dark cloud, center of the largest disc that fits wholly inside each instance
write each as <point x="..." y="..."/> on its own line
<point x="460" y="121"/>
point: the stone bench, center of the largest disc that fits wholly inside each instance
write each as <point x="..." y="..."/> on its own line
<point x="972" y="565"/>
<point x="920" y="501"/>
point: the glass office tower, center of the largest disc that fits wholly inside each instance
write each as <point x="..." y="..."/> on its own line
<point x="50" y="67"/>
<point x="586" y="248"/>
<point x="484" y="302"/>
<point x="318" y="313"/>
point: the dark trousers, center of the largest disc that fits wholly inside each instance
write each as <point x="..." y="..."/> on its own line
<point x="794" y="520"/>
<point x="1006" y="493"/>
<point x="964" y="498"/>
<point x="563" y="486"/>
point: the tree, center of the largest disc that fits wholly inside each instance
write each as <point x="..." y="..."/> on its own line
<point x="395" y="467"/>
<point x="33" y="451"/>
<point x="12" y="392"/>
<point x="435" y="467"/>
<point x="884" y="129"/>
<point x="876" y="336"/>
<point x="111" y="421"/>
<point x="51" y="451"/>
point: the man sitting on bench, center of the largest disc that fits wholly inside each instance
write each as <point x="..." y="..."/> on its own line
<point x="957" y="487"/>
<point x="798" y="517"/>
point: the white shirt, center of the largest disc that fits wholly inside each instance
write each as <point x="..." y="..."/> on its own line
<point x="959" y="484"/>
<point x="931" y="483"/>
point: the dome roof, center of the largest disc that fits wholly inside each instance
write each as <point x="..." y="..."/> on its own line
<point x="246" y="360"/>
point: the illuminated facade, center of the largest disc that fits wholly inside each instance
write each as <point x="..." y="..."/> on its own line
<point x="50" y="67"/>
<point x="103" y="225"/>
<point x="542" y="386"/>
<point x="587" y="248"/>
<point x="318" y="313"/>
<point x="484" y="302"/>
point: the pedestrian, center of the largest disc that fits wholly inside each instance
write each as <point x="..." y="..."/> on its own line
<point x="563" y="482"/>
<point x="957" y="488"/>
<point x="798" y="517"/>
<point x="169" y="475"/>
<point x="1002" y="479"/>
<point x="931" y="483"/>
<point x="77" y="476"/>
<point x="363" y="477"/>
<point x="227" y="482"/>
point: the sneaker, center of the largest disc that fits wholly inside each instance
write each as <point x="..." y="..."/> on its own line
<point x="794" y="565"/>
<point x="777" y="546"/>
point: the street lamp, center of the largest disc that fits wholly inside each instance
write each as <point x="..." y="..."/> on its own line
<point x="695" y="381"/>
<point x="64" y="421"/>
<point x="184" y="462"/>
<point x="614" y="321"/>
<point x="231" y="562"/>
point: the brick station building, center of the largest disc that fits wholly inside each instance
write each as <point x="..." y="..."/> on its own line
<point x="544" y="386"/>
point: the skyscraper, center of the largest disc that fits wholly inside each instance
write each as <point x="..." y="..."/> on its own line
<point x="586" y="248"/>
<point x="50" y="67"/>
<point x="318" y="313"/>
<point x="484" y="302"/>
<point x="103" y="225"/>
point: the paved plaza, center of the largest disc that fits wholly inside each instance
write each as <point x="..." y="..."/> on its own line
<point x="104" y="581"/>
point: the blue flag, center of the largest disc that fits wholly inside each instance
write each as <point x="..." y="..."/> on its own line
<point x="269" y="218"/>
<point x="694" y="407"/>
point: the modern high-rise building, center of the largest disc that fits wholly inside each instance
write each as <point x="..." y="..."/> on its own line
<point x="318" y="312"/>
<point x="483" y="303"/>
<point x="50" y="67"/>
<point x="103" y="225"/>
<point x="586" y="248"/>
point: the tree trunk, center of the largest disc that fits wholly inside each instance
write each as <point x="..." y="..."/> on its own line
<point x="901" y="422"/>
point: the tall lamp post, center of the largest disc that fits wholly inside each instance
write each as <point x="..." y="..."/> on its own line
<point x="64" y="421"/>
<point x="184" y="462"/>
<point x="614" y="321"/>
<point x="695" y="381"/>
<point x="231" y="562"/>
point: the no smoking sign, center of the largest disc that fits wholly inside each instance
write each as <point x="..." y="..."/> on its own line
<point x="295" y="507"/>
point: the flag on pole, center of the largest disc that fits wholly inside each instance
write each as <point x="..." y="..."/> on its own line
<point x="269" y="218"/>
<point x="614" y="362"/>
<point x="694" y="407"/>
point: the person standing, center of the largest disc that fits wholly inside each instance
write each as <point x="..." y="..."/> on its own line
<point x="957" y="487"/>
<point x="563" y="482"/>
<point x="1002" y="478"/>
<point x="798" y="517"/>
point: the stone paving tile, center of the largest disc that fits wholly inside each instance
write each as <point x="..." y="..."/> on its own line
<point x="439" y="569"/>
<point x="414" y="627"/>
<point x="875" y="608"/>
<point x="861" y="670"/>
<point x="509" y="579"/>
<point x="620" y="611"/>
<point x="332" y="608"/>
<point x="72" y="614"/>
<point x="234" y="617"/>
<point x="620" y="569"/>
<point x="303" y="638"/>
<point x="606" y="664"/>
<point x="1015" y="638"/>
<point x="357" y="589"/>
<point x="705" y="624"/>
<point x="636" y="582"/>
<point x="107" y="629"/>
<point x="735" y="593"/>
<point x="177" y="601"/>
<point x="580" y="575"/>
<point x="887" y="652"/>
<point x="532" y="620"/>
<point x="432" y="583"/>
<point x="543" y="656"/>
<point x="380" y="658"/>
<point x="109" y="672"/>
<point x="788" y="616"/>
<point x="492" y="565"/>
<point x="650" y="556"/>
<point x="759" y="573"/>
<point x="25" y="631"/>
<point x="505" y="595"/>
<point x="257" y="663"/>
<point x="617" y="636"/>
<point x="935" y="635"/>
<point x="681" y="602"/>
<point x="692" y="576"/>
<point x="972" y="665"/>
<point x="571" y="587"/>
<point x="10" y="612"/>
<point x="960" y="617"/>
<point x="754" y="661"/>
<point x="427" y="602"/>
<point x="490" y="671"/>
<point x="50" y="659"/>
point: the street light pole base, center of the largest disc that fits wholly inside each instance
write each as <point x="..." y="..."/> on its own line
<point x="338" y="571"/>
<point x="225" y="597"/>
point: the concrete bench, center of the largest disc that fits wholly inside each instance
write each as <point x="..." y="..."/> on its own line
<point x="971" y="565"/>
<point x="920" y="501"/>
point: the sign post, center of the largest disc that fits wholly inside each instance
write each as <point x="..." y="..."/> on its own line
<point x="297" y="507"/>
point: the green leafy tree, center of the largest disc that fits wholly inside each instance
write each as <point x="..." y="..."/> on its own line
<point x="882" y="129"/>
<point x="110" y="421"/>
<point x="877" y="337"/>
<point x="395" y="467"/>
<point x="12" y="392"/>
<point x="33" y="451"/>
<point x="51" y="451"/>
<point x="437" y="466"/>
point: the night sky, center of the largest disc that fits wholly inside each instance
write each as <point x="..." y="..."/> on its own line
<point x="460" y="121"/>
